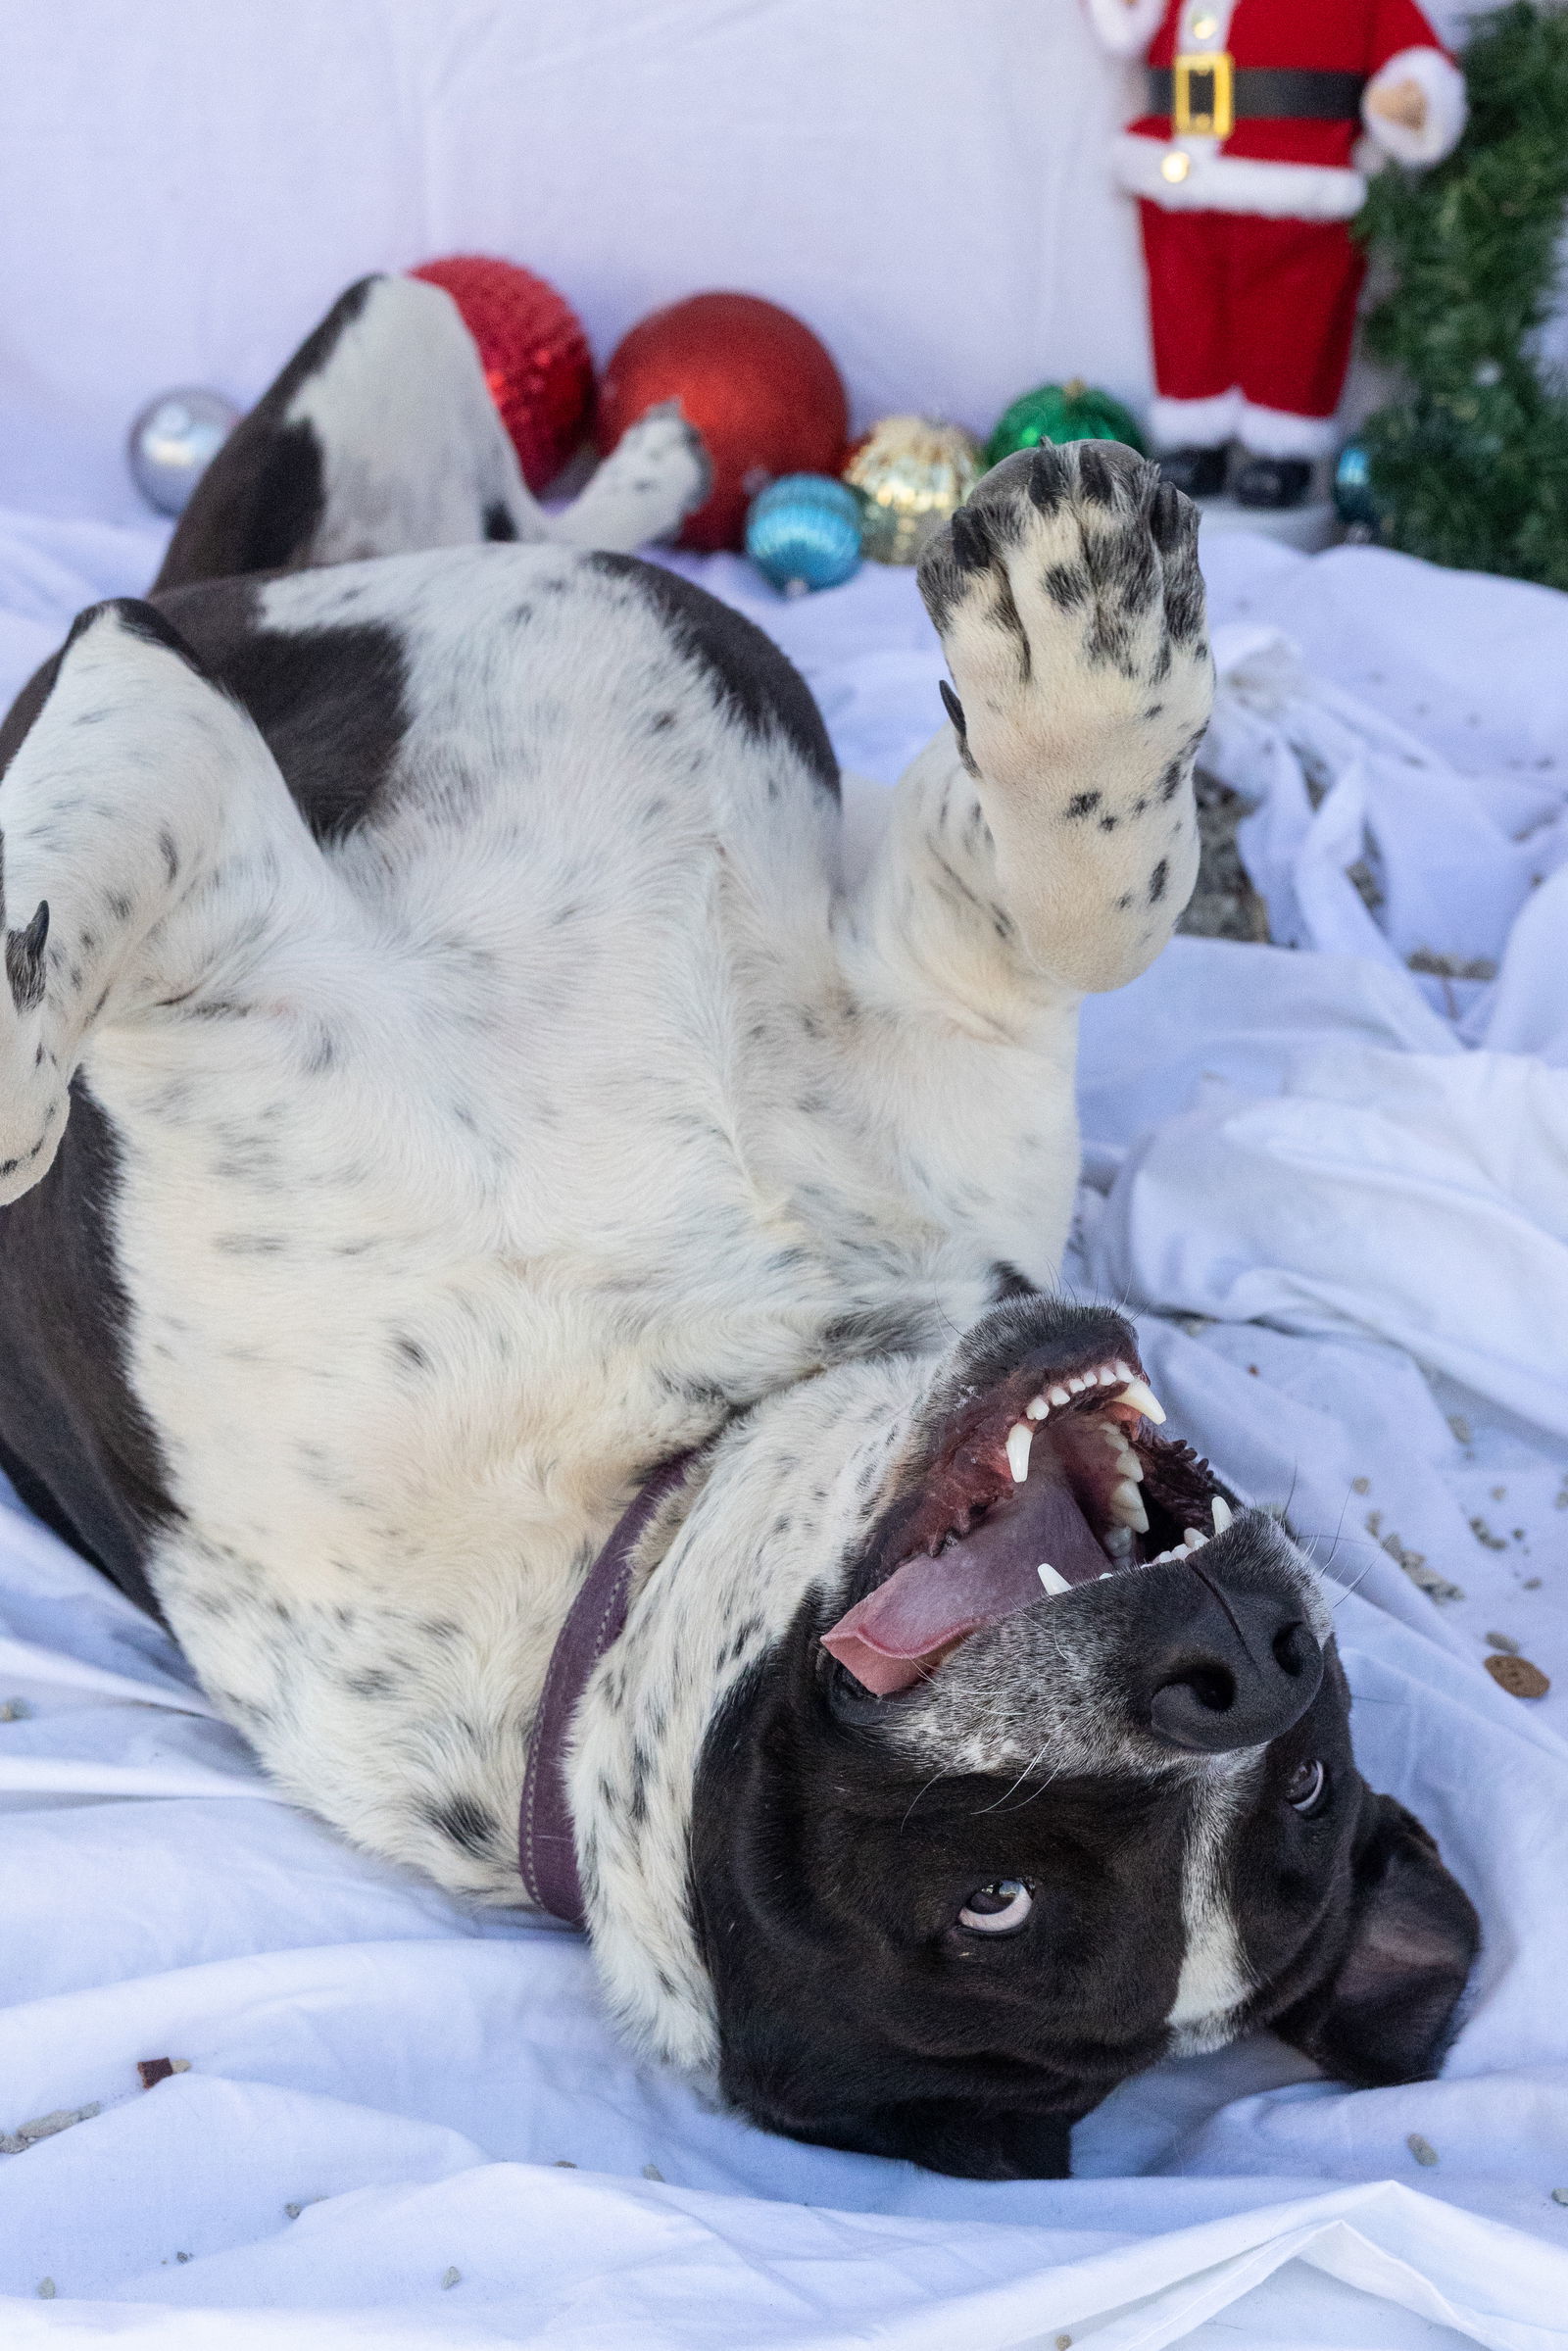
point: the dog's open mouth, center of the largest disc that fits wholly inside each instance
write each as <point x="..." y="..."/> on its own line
<point x="1046" y="1482"/>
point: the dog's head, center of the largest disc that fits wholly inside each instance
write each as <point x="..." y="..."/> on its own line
<point x="1036" y="1769"/>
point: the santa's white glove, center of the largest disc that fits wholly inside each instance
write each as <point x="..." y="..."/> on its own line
<point x="1415" y="106"/>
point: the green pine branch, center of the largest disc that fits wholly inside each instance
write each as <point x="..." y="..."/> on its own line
<point x="1471" y="467"/>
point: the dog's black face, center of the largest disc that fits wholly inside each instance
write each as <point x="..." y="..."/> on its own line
<point x="1013" y="1835"/>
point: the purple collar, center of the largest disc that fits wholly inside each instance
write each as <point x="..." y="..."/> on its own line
<point x="547" y="1848"/>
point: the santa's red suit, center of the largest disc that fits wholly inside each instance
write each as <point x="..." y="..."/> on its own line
<point x="1246" y="172"/>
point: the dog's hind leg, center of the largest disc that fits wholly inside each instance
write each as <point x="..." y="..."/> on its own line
<point x="380" y="437"/>
<point x="151" y="857"/>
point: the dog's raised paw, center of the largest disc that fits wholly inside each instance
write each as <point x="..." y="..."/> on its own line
<point x="1069" y="598"/>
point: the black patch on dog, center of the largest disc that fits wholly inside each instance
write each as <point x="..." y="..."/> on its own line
<point x="498" y="524"/>
<point x="328" y="701"/>
<point x="74" y="1440"/>
<point x="751" y="679"/>
<point x="260" y="502"/>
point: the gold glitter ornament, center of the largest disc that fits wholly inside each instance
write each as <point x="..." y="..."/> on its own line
<point x="911" y="474"/>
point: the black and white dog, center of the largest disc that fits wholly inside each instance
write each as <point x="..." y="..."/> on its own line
<point x="451" y="1075"/>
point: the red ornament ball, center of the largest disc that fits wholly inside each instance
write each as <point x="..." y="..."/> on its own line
<point x="756" y="383"/>
<point x="533" y="352"/>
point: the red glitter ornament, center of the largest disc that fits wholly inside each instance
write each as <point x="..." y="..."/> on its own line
<point x="533" y="352"/>
<point x="756" y="383"/>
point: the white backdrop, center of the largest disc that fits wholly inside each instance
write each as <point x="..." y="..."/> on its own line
<point x="185" y="185"/>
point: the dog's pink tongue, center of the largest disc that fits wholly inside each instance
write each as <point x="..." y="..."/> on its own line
<point x="897" y="1633"/>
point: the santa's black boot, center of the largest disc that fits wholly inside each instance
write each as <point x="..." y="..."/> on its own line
<point x="1272" y="481"/>
<point x="1200" y="473"/>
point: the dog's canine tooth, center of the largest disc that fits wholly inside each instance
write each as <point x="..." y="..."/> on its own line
<point x="1127" y="1505"/>
<point x="1048" y="1577"/>
<point x="1038" y="1407"/>
<point x="1223" y="1513"/>
<point x="1142" y="1399"/>
<point x="1020" y="1437"/>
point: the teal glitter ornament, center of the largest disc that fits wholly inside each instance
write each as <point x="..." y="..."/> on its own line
<point x="1354" y="500"/>
<point x="803" y="532"/>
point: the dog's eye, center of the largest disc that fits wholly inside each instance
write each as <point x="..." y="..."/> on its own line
<point x="1000" y="1908"/>
<point x="1305" y="1790"/>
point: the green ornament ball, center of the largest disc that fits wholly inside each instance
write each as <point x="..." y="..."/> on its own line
<point x="1071" y="412"/>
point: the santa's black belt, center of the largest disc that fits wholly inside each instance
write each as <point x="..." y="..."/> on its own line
<point x="1199" y="90"/>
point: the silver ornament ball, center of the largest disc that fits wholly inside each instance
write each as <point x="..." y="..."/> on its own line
<point x="175" y="440"/>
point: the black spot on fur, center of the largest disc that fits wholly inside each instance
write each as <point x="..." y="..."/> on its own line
<point x="1066" y="585"/>
<point x="411" y="1352"/>
<point x="1082" y="804"/>
<point x="751" y="679"/>
<point x="467" y="1822"/>
<point x="1007" y="1281"/>
<point x="498" y="524"/>
<point x="1158" y="880"/>
<point x="373" y="1683"/>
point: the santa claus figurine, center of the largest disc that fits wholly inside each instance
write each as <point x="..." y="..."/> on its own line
<point x="1247" y="166"/>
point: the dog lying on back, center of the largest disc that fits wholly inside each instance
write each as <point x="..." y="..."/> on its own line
<point x="449" y="1083"/>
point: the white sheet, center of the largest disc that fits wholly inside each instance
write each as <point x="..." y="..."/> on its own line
<point x="1352" y="1218"/>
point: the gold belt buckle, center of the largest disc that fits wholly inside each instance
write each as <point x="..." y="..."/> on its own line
<point x="1203" y="94"/>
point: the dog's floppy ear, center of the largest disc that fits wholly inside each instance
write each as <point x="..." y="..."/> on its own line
<point x="1388" y="2011"/>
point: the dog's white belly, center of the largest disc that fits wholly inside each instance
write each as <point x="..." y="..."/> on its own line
<point x="441" y="1230"/>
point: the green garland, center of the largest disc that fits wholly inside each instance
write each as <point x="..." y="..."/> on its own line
<point x="1471" y="468"/>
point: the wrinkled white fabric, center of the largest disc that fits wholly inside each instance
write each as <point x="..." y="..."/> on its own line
<point x="1348" y="1220"/>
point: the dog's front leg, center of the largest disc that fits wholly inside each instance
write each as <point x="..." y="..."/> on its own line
<point x="1070" y="607"/>
<point x="1043" y="847"/>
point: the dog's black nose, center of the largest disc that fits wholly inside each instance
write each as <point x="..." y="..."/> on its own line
<point x="1238" y="1669"/>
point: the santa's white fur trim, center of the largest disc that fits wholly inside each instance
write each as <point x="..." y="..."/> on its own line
<point x="1235" y="183"/>
<point x="1126" y="26"/>
<point x="1275" y="432"/>
<point x="1195" y="423"/>
<point x="1441" y="85"/>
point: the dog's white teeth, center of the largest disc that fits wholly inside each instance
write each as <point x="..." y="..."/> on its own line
<point x="1020" y="1437"/>
<point x="1191" y="1541"/>
<point x="1127" y="1505"/>
<point x="1224" y="1515"/>
<point x="1048" y="1577"/>
<point x="1142" y="1399"/>
<point x="1057" y="1396"/>
<point x="1109" y="1374"/>
<point x="1038" y="1407"/>
<point x="1077" y="1383"/>
<point x="1123" y="1371"/>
